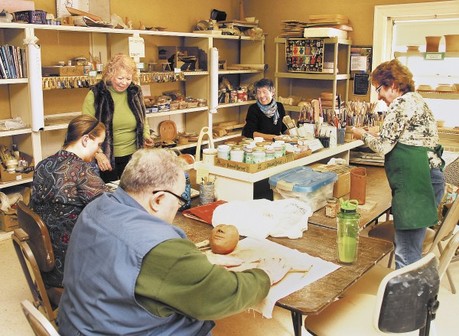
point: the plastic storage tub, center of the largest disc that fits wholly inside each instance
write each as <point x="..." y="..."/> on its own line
<point x="304" y="184"/>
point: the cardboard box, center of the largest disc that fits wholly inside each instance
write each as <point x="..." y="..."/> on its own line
<point x="343" y="185"/>
<point x="254" y="167"/>
<point x="71" y="70"/>
<point x="8" y="222"/>
<point x="6" y="176"/>
<point x="16" y="5"/>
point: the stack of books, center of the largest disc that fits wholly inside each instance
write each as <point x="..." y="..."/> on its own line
<point x="12" y="62"/>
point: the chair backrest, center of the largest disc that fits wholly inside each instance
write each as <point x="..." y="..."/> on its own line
<point x="405" y="296"/>
<point x="39" y="240"/>
<point x="447" y="254"/>
<point x="32" y="273"/>
<point x="40" y="325"/>
<point x="447" y="226"/>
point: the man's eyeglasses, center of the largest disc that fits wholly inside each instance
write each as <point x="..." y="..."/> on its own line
<point x="182" y="201"/>
<point x="379" y="88"/>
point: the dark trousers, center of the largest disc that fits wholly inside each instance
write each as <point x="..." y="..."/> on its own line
<point x="115" y="173"/>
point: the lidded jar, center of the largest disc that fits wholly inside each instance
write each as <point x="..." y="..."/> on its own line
<point x="347" y="224"/>
<point x="258" y="155"/>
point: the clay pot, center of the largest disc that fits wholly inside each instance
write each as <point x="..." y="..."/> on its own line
<point x="452" y="43"/>
<point x="432" y="43"/>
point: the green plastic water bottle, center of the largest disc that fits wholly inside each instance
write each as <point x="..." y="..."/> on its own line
<point x="348" y="220"/>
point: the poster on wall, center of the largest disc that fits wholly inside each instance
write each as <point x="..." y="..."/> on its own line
<point x="100" y="8"/>
<point x="61" y="6"/>
<point x="304" y="55"/>
<point x="360" y="60"/>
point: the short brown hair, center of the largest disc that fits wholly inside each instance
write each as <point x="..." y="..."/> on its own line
<point x="84" y="124"/>
<point x="393" y="72"/>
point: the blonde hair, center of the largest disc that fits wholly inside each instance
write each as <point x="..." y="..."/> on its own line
<point x="120" y="62"/>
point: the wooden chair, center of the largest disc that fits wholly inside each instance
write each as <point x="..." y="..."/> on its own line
<point x="35" y="253"/>
<point x="40" y="325"/>
<point x="392" y="308"/>
<point x="433" y="239"/>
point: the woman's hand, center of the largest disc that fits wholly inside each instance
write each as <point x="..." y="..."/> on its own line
<point x="149" y="142"/>
<point x="358" y="132"/>
<point x="103" y="162"/>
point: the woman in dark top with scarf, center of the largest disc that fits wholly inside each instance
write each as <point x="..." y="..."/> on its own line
<point x="264" y="119"/>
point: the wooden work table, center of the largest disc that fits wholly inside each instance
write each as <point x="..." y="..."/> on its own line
<point x="320" y="242"/>
<point x="378" y="196"/>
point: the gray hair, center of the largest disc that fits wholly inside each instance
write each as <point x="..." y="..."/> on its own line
<point x="151" y="169"/>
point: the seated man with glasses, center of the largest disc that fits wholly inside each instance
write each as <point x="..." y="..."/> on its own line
<point x="129" y="271"/>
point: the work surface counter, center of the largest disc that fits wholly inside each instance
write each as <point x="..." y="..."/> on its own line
<point x="231" y="185"/>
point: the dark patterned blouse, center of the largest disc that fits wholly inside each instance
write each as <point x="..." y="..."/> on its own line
<point x="62" y="186"/>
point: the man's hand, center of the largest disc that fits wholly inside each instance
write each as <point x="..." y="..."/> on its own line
<point x="276" y="268"/>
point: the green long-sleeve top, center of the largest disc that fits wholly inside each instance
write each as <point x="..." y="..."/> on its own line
<point x="124" y="122"/>
<point x="176" y="274"/>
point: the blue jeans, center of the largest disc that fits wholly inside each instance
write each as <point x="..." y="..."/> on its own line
<point x="438" y="184"/>
<point x="408" y="246"/>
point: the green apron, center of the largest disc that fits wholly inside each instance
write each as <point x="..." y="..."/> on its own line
<point x="413" y="201"/>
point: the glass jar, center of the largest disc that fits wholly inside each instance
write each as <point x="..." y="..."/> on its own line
<point x="248" y="154"/>
<point x="259" y="155"/>
<point x="269" y="153"/>
<point x="331" y="208"/>
<point x="237" y="154"/>
<point x="348" y="220"/>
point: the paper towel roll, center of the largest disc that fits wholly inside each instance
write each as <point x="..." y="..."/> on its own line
<point x="213" y="96"/>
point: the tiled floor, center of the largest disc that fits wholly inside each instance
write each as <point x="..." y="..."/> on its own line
<point x="14" y="289"/>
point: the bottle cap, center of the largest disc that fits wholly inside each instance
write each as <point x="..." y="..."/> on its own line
<point x="349" y="205"/>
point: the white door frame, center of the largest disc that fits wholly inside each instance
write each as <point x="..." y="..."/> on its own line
<point x="385" y="15"/>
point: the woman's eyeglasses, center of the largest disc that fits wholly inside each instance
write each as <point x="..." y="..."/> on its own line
<point x="379" y="88"/>
<point x="182" y="201"/>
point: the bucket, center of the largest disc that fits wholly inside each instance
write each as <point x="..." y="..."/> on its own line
<point x="432" y="43"/>
<point x="452" y="43"/>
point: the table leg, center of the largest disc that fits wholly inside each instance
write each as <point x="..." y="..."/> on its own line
<point x="297" y="319"/>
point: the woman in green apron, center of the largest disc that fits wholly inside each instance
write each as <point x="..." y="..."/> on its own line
<point x="408" y="139"/>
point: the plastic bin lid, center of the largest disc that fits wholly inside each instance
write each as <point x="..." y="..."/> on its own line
<point x="302" y="179"/>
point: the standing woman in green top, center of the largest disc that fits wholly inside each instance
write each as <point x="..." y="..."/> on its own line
<point x="118" y="103"/>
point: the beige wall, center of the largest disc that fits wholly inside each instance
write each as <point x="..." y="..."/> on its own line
<point x="272" y="12"/>
<point x="179" y="15"/>
<point x="175" y="15"/>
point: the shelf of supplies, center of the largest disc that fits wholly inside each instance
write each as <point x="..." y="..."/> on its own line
<point x="172" y="112"/>
<point x="312" y="76"/>
<point x="422" y="54"/>
<point x="238" y="72"/>
<point x="439" y="95"/>
<point x="14" y="81"/>
<point x="15" y="183"/>
<point x="196" y="73"/>
<point x="248" y="102"/>
<point x="15" y="132"/>
<point x="327" y="40"/>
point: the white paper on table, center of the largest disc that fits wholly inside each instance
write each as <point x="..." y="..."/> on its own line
<point x="251" y="250"/>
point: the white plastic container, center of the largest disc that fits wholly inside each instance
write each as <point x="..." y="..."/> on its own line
<point x="304" y="184"/>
